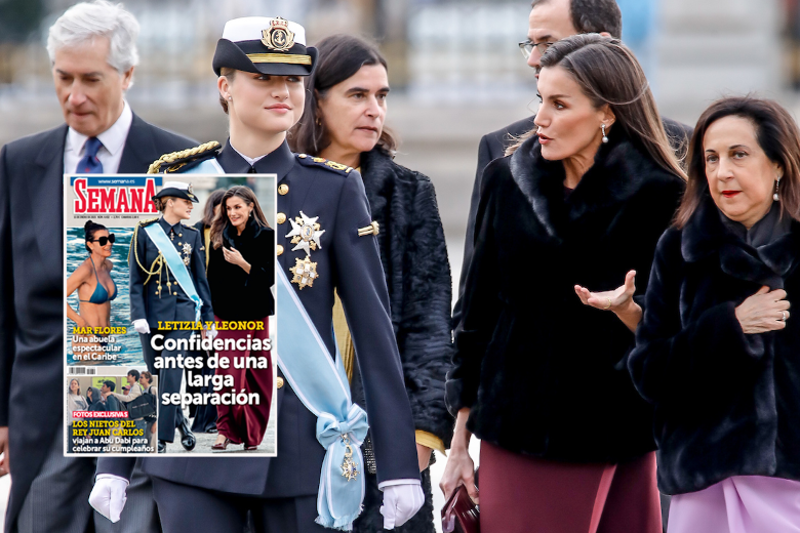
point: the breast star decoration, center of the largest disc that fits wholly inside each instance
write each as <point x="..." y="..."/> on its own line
<point x="187" y="254"/>
<point x="304" y="272"/>
<point x="305" y="233"/>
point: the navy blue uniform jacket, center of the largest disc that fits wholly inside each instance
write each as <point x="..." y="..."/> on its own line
<point x="351" y="264"/>
<point x="177" y="306"/>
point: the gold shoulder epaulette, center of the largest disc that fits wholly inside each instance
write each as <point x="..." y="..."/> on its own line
<point x="147" y="221"/>
<point x="176" y="160"/>
<point x="321" y="161"/>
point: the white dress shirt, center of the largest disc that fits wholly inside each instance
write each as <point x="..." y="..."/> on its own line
<point x="109" y="154"/>
<point x="250" y="160"/>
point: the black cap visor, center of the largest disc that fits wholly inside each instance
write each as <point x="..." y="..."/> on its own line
<point x="176" y="193"/>
<point x="253" y="56"/>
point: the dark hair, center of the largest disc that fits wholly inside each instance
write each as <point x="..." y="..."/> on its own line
<point x="214" y="199"/>
<point x="593" y="16"/>
<point x="89" y="230"/>
<point x="148" y="376"/>
<point x="221" y="221"/>
<point x="110" y="384"/>
<point x="79" y="385"/>
<point x="777" y="134"/>
<point x="340" y="57"/>
<point x="609" y="74"/>
<point x="135" y="373"/>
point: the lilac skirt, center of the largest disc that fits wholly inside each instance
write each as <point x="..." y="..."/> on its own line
<point x="741" y="504"/>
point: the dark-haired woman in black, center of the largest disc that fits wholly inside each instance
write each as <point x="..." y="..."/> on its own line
<point x="92" y="280"/>
<point x="241" y="271"/>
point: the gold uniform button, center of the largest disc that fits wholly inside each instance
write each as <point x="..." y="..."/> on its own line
<point x="280" y="249"/>
<point x="283" y="189"/>
<point x="281" y="218"/>
<point x="279" y="383"/>
<point x="174" y="293"/>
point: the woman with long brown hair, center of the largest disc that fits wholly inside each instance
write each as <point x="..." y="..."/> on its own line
<point x="718" y="353"/>
<point x="539" y="371"/>
<point x="241" y="271"/>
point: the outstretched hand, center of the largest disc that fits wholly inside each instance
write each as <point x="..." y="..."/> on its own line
<point x="619" y="301"/>
<point x="610" y="300"/>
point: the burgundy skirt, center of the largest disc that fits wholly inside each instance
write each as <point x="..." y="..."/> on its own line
<point x="524" y="494"/>
<point x="246" y="424"/>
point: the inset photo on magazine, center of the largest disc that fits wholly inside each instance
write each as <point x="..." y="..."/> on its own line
<point x="111" y="412"/>
<point x="170" y="277"/>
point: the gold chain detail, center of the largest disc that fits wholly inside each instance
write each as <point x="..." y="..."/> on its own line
<point x="175" y="156"/>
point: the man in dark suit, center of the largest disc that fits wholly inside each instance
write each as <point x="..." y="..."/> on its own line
<point x="92" y="68"/>
<point x="550" y="21"/>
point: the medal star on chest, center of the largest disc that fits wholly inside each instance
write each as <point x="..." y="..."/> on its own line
<point x="187" y="253"/>
<point x="304" y="272"/>
<point x="305" y="234"/>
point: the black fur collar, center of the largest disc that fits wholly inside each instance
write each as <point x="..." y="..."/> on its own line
<point x="705" y="234"/>
<point x="377" y="163"/>
<point x="619" y="170"/>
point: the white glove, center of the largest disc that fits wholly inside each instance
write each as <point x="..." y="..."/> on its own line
<point x="108" y="496"/>
<point x="401" y="502"/>
<point x="211" y="332"/>
<point x="141" y="325"/>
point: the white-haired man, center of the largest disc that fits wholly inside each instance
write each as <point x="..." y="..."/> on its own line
<point x="92" y="48"/>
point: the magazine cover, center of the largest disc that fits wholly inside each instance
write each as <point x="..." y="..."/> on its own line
<point x="170" y="314"/>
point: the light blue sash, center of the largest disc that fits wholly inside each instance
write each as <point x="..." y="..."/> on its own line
<point x="209" y="166"/>
<point x="321" y="384"/>
<point x="175" y="264"/>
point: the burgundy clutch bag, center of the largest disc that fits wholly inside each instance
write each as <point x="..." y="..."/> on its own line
<point x="460" y="514"/>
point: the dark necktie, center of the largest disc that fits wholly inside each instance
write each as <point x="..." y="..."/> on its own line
<point x="90" y="164"/>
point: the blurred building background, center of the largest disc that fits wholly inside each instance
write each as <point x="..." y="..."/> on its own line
<point x="454" y="65"/>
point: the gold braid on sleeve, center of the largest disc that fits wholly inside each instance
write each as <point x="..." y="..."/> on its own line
<point x="176" y="157"/>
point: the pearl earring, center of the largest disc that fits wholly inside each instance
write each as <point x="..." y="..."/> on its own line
<point x="605" y="138"/>
<point x="777" y="184"/>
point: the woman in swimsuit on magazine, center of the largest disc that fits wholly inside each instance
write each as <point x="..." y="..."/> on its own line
<point x="92" y="280"/>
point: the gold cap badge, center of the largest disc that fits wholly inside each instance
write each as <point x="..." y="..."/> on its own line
<point x="278" y="37"/>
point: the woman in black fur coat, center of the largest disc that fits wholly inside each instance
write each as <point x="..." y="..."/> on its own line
<point x="539" y="371"/>
<point x="717" y="352"/>
<point x="343" y="122"/>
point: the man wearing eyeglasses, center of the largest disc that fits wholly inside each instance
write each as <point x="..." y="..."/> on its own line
<point x="548" y="22"/>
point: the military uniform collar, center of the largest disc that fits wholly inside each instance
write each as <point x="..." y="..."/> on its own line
<point x="278" y="162"/>
<point x="167" y="228"/>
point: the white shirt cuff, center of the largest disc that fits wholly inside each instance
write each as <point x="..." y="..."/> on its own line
<point x="393" y="482"/>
